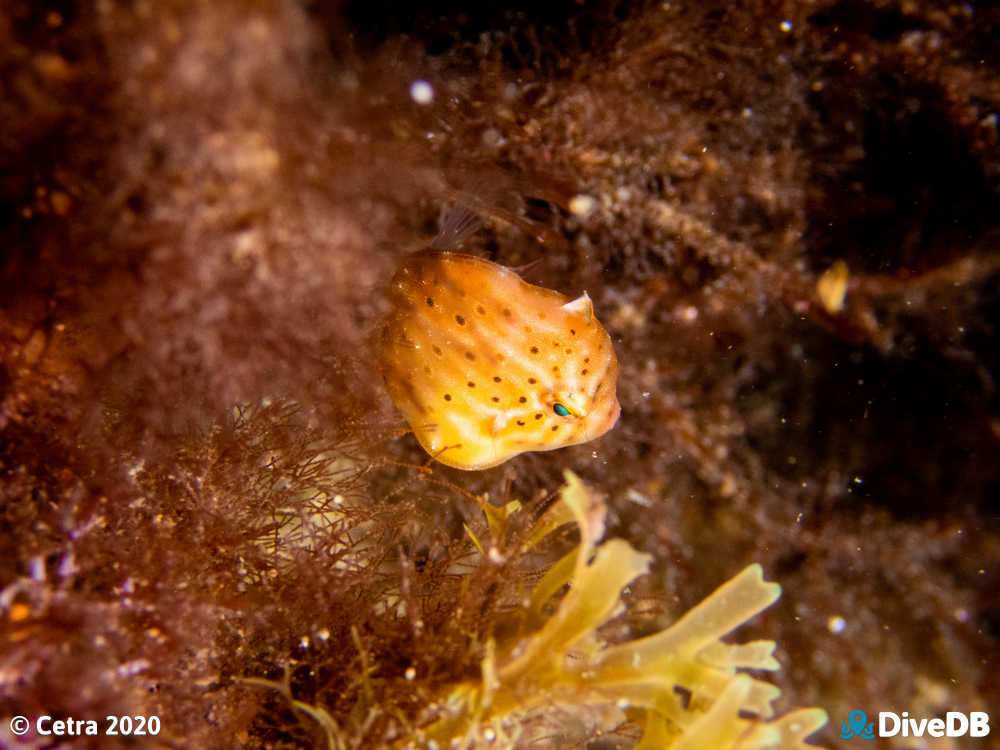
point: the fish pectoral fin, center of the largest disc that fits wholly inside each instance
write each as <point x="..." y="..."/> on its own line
<point x="499" y="422"/>
<point x="582" y="305"/>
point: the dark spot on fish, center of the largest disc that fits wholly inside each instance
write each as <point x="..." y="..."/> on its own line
<point x="555" y="427"/>
<point x="523" y="400"/>
<point x="585" y="372"/>
<point x="470" y="356"/>
<point x="541" y="316"/>
<point x="480" y="309"/>
<point x="427" y="369"/>
<point x="496" y="400"/>
<point x="520" y="422"/>
<point x="586" y="359"/>
<point x="471" y="384"/>
<point x="534" y="350"/>
<point x="555" y="368"/>
<point x="572" y="332"/>
<point x="555" y="344"/>
<point x="569" y="351"/>
<point x="460" y="320"/>
<point x="532" y="381"/>
<point x="496" y="378"/>
<point x="527" y="329"/>
<point x="538" y="415"/>
<point x="506" y="312"/>
<point x="430" y="302"/>
<point x="447" y="397"/>
<point x="437" y="350"/>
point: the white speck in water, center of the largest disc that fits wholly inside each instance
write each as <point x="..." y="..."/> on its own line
<point x="67" y="566"/>
<point x="134" y="667"/>
<point x="582" y="205"/>
<point x="636" y="497"/>
<point x="786" y="26"/>
<point x="421" y="91"/>
<point x="962" y="615"/>
<point x="36" y="568"/>
<point x="410" y="673"/>
<point x="836" y="624"/>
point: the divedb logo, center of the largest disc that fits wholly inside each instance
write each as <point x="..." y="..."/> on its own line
<point x="954" y="724"/>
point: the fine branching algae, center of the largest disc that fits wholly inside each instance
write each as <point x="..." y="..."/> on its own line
<point x="679" y="688"/>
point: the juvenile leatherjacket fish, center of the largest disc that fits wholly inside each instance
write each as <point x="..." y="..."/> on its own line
<point x="485" y="366"/>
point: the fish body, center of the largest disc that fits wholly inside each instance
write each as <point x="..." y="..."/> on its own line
<point x="485" y="366"/>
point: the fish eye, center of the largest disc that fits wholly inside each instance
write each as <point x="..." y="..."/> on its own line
<point x="561" y="410"/>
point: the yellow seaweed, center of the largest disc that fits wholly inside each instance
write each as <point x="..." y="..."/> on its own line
<point x="565" y="671"/>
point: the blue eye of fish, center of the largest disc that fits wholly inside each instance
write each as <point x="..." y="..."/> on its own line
<point x="561" y="410"/>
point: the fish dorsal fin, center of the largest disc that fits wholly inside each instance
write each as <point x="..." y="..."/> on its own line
<point x="582" y="305"/>
<point x="457" y="224"/>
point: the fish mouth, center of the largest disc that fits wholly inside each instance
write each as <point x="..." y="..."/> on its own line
<point x="600" y="424"/>
<point x="599" y="428"/>
<point x="612" y="419"/>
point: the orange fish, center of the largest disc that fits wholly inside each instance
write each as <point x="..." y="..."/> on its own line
<point x="485" y="366"/>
